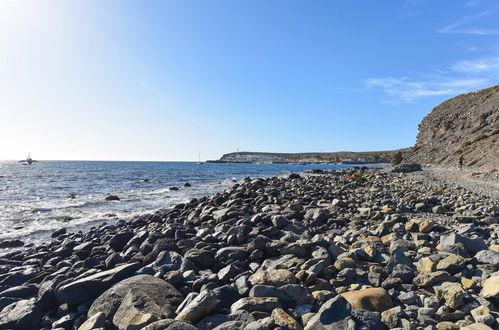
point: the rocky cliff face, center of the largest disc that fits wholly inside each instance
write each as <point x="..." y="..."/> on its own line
<point x="466" y="125"/>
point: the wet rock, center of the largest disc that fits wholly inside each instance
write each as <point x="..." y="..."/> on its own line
<point x="112" y="198"/>
<point x="58" y="232"/>
<point x="118" y="241"/>
<point x="6" y="244"/>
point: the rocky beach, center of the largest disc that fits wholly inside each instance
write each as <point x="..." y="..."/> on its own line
<point x="352" y="249"/>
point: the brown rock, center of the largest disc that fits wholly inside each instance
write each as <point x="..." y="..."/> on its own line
<point x="372" y="299"/>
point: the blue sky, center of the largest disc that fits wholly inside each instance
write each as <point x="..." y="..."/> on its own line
<point x="160" y="80"/>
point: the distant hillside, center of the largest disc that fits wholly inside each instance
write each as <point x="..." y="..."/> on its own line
<point x="310" y="157"/>
<point x="466" y="125"/>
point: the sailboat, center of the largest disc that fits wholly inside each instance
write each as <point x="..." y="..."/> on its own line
<point x="199" y="158"/>
<point x="28" y="160"/>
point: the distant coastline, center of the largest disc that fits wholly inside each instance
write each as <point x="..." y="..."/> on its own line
<point x="339" y="157"/>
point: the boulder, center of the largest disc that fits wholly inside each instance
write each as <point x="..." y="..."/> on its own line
<point x="112" y="198"/>
<point x="22" y="314"/>
<point x="488" y="257"/>
<point x="98" y="320"/>
<point x="137" y="310"/>
<point x="452" y="264"/>
<point x="201" y="258"/>
<point x="491" y="287"/>
<point x="81" y="290"/>
<point x="371" y="299"/>
<point x="204" y="304"/>
<point x="118" y="241"/>
<point x="145" y="288"/>
<point x="335" y="314"/>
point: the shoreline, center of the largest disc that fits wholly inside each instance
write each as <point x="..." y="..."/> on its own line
<point x="276" y="251"/>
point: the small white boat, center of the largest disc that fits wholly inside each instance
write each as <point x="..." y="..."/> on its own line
<point x="28" y="161"/>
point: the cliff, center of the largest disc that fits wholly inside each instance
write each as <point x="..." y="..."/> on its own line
<point x="467" y="125"/>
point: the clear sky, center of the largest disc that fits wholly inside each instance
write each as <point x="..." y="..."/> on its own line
<point x="160" y="80"/>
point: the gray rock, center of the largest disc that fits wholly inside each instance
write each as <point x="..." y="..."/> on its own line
<point x="169" y="324"/>
<point x="201" y="258"/>
<point x="334" y="314"/>
<point x="81" y="290"/>
<point x="201" y="306"/>
<point x="98" y="320"/>
<point x="158" y="291"/>
<point x="22" y="291"/>
<point x="488" y="257"/>
<point x="22" y="314"/>
<point x="260" y="304"/>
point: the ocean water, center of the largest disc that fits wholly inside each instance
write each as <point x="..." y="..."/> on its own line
<point x="38" y="199"/>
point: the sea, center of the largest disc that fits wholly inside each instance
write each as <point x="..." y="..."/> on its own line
<point x="37" y="199"/>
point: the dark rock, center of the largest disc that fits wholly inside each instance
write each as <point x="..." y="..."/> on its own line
<point x="118" y="241"/>
<point x="23" y="314"/>
<point x="22" y="292"/>
<point x="11" y="244"/>
<point x="112" y="198"/>
<point x="334" y="314"/>
<point x="157" y="290"/>
<point x="201" y="258"/>
<point x="86" y="288"/>
<point x="59" y="232"/>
